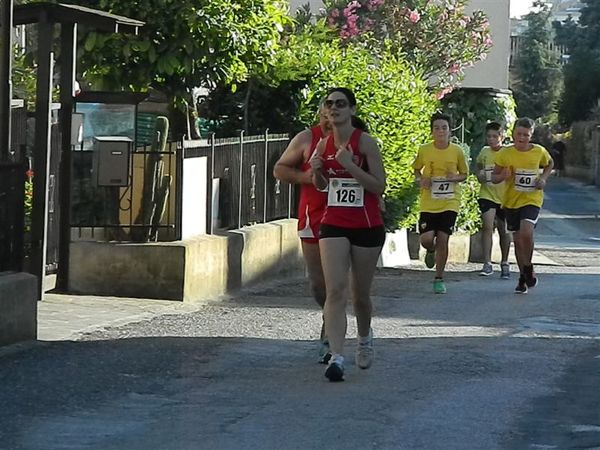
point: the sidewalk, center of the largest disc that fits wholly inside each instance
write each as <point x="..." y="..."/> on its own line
<point x="69" y="317"/>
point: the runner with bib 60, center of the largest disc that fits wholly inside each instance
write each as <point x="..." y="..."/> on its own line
<point x="519" y="165"/>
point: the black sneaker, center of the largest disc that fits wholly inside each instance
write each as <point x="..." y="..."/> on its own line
<point x="504" y="271"/>
<point x="530" y="277"/>
<point x="521" y="286"/>
<point x="335" y="371"/>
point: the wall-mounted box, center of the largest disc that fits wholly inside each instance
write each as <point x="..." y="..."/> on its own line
<point x="111" y="160"/>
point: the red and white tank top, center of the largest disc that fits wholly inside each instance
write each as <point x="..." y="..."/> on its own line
<point x="311" y="205"/>
<point x="349" y="205"/>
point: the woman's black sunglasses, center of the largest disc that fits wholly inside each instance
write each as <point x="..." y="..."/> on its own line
<point x="339" y="103"/>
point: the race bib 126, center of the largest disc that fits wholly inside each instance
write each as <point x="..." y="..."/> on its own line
<point x="345" y="192"/>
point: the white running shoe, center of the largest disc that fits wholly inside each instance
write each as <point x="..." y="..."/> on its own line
<point x="365" y="353"/>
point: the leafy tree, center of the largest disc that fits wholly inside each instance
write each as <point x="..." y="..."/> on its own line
<point x="538" y="76"/>
<point x="24" y="78"/>
<point x="582" y="72"/>
<point x="436" y="36"/>
<point x="271" y="100"/>
<point x="256" y="105"/>
<point x="472" y="110"/>
<point x="184" y="44"/>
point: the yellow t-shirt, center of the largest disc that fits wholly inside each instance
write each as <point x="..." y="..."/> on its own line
<point x="525" y="170"/>
<point x="435" y="163"/>
<point x="488" y="190"/>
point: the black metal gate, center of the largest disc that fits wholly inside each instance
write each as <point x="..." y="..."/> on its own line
<point x="53" y="231"/>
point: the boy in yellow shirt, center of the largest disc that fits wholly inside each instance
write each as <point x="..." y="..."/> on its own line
<point x="439" y="168"/>
<point x="490" y="200"/>
<point x="519" y="166"/>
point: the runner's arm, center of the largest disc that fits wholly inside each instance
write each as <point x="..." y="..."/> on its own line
<point x="541" y="183"/>
<point x="318" y="178"/>
<point x="287" y="167"/>
<point x="500" y="174"/>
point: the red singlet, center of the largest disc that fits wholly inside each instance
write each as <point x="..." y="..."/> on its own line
<point x="342" y="204"/>
<point x="312" y="202"/>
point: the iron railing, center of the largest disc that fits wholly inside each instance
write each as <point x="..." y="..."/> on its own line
<point x="243" y="170"/>
<point x="240" y="168"/>
<point x="113" y="212"/>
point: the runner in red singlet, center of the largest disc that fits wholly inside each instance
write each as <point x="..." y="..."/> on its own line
<point x="348" y="165"/>
<point x="294" y="167"/>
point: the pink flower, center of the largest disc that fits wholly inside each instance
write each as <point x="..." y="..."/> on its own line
<point x="414" y="16"/>
<point x="441" y="94"/>
<point x="352" y="21"/>
<point x="454" y="68"/>
<point x="335" y="13"/>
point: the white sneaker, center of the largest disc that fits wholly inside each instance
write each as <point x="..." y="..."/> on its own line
<point x="365" y="353"/>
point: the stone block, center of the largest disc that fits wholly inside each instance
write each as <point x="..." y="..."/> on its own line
<point x="18" y="307"/>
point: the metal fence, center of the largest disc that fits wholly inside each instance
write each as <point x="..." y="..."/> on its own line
<point x="247" y="191"/>
<point x="12" y="196"/>
<point x="240" y="189"/>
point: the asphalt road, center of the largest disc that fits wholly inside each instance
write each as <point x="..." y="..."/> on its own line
<point x="478" y="368"/>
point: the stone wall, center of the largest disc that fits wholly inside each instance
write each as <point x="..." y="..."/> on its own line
<point x="197" y="268"/>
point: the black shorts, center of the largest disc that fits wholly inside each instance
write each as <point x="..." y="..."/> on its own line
<point x="530" y="213"/>
<point x="443" y="221"/>
<point x="360" y="237"/>
<point x="485" y="205"/>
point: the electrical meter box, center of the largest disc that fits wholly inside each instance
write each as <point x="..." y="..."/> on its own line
<point x="111" y="160"/>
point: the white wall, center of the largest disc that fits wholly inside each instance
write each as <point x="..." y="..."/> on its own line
<point x="194" y="202"/>
<point x="493" y="71"/>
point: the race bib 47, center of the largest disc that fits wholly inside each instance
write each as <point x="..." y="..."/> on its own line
<point x="441" y="188"/>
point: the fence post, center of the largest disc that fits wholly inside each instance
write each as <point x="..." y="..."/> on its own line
<point x="289" y="200"/>
<point x="210" y="181"/>
<point x="266" y="173"/>
<point x="179" y="161"/>
<point x="596" y="155"/>
<point x="241" y="179"/>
